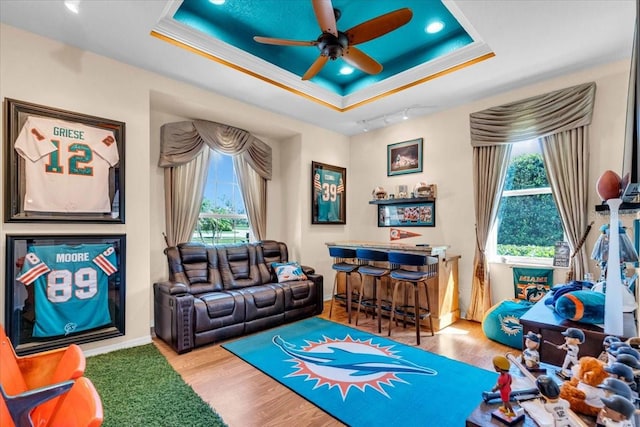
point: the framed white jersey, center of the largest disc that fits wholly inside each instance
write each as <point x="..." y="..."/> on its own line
<point x="70" y="286"/>
<point x="66" y="165"/>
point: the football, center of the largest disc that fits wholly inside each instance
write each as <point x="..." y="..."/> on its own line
<point x="608" y="185"/>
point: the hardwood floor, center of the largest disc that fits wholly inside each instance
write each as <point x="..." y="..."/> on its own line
<point x="245" y="397"/>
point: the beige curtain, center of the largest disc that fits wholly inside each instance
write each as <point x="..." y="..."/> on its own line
<point x="182" y="142"/>
<point x="489" y="169"/>
<point x="183" y="189"/>
<point x="566" y="158"/>
<point x="537" y="117"/>
<point x="254" y="193"/>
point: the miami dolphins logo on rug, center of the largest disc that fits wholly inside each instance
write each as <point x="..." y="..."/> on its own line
<point x="349" y="364"/>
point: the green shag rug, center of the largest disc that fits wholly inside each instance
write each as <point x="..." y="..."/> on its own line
<point x="138" y="387"/>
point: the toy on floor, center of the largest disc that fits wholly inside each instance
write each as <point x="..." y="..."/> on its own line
<point x="582" y="390"/>
<point x="553" y="404"/>
<point x="618" y="411"/>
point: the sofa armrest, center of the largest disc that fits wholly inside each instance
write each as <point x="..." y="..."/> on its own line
<point x="173" y="315"/>
<point x="308" y="270"/>
<point x="318" y="280"/>
<point x="171" y="288"/>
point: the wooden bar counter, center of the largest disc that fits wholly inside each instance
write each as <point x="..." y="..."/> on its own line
<point x="445" y="309"/>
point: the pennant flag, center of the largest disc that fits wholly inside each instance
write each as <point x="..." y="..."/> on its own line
<point x="397" y="234"/>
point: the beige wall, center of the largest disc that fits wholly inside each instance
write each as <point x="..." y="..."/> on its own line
<point x="46" y="72"/>
<point x="42" y="71"/>
<point x="448" y="163"/>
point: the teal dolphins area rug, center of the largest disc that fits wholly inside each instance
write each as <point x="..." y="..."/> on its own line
<point x="364" y="380"/>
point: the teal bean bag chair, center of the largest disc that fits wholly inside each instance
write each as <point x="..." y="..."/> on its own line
<point x="502" y="322"/>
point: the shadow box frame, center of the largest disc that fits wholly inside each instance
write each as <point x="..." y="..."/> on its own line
<point x="21" y="300"/>
<point x="411" y="147"/>
<point x="320" y="189"/>
<point x="16" y="114"/>
<point x="388" y="214"/>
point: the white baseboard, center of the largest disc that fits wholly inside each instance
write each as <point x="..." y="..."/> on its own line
<point x="118" y="346"/>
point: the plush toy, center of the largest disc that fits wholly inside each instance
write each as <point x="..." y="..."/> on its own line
<point x="582" y="390"/>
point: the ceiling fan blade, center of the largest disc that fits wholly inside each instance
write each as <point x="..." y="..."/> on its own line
<point x="284" y="42"/>
<point x="362" y="61"/>
<point x="315" y="67"/>
<point x="325" y="16"/>
<point x="379" y="26"/>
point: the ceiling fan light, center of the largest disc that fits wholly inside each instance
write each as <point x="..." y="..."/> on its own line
<point x="73" y="5"/>
<point x="434" y="27"/>
<point x="346" y="70"/>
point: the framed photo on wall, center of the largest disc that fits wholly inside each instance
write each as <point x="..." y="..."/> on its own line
<point x="422" y="214"/>
<point x="404" y="157"/>
<point x="62" y="166"/>
<point x="64" y="289"/>
<point x="328" y="194"/>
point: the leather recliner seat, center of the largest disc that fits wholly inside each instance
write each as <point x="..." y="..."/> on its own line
<point x="218" y="292"/>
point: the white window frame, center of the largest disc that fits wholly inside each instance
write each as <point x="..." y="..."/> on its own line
<point x="492" y="243"/>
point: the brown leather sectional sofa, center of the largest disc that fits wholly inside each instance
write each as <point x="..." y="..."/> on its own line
<point x="218" y="292"/>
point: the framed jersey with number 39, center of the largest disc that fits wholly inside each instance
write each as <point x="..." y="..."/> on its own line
<point x="328" y="194"/>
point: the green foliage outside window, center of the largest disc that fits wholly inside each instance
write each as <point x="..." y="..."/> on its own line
<point x="529" y="224"/>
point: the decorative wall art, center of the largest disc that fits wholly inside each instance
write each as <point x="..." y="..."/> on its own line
<point x="404" y="157"/>
<point x="420" y="214"/>
<point x="62" y="166"/>
<point x="328" y="194"/>
<point x="64" y="289"/>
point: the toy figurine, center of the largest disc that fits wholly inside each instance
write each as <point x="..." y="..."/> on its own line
<point x="556" y="406"/>
<point x="501" y="365"/>
<point x="618" y="412"/>
<point x="530" y="355"/>
<point x="605" y="356"/>
<point x="613" y="387"/>
<point x="572" y="338"/>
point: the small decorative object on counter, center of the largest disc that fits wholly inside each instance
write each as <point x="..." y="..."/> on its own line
<point x="505" y="413"/>
<point x="553" y="404"/>
<point x="530" y="355"/>
<point x="618" y="411"/>
<point x="573" y="337"/>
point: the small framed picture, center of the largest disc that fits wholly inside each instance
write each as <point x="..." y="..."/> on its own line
<point x="328" y="194"/>
<point x="404" y="157"/>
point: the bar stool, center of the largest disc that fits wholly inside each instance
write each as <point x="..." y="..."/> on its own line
<point x="427" y="270"/>
<point x="375" y="302"/>
<point x="340" y="265"/>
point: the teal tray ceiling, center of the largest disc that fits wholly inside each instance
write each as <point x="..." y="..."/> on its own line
<point x="235" y="22"/>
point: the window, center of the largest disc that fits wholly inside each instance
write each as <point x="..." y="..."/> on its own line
<point x="528" y="223"/>
<point x="223" y="218"/>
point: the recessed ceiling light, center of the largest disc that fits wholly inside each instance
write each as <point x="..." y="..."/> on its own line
<point x="73" y="5"/>
<point x="345" y="71"/>
<point x="434" y="27"/>
<point x="217" y="2"/>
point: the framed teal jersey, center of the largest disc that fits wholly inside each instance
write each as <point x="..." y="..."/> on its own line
<point x="70" y="286"/>
<point x="328" y="189"/>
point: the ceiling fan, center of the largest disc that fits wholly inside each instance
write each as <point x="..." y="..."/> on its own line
<point x="334" y="44"/>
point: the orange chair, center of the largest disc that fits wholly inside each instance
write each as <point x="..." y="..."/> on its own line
<point x="39" y="389"/>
